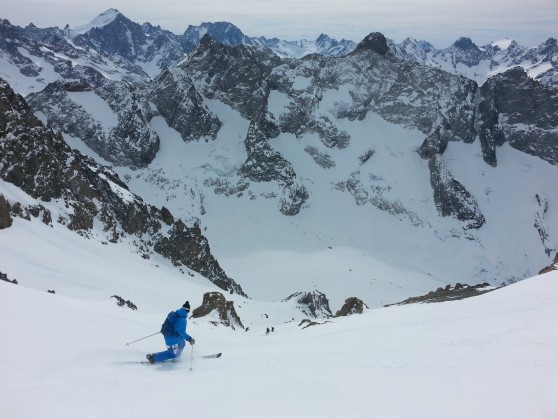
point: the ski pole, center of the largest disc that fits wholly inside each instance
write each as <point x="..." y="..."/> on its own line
<point x="129" y="343"/>
<point x="191" y="357"/>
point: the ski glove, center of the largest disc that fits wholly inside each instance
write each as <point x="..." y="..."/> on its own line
<point x="192" y="340"/>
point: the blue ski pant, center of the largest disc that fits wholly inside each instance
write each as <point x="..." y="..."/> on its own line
<point x="172" y="352"/>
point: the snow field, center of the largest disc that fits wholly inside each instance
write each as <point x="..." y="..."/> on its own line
<point x="492" y="356"/>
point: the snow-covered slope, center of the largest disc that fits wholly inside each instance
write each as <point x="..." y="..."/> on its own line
<point x="492" y="356"/>
<point x="103" y="19"/>
<point x="333" y="243"/>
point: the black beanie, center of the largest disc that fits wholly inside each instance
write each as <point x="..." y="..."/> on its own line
<point x="186" y="306"/>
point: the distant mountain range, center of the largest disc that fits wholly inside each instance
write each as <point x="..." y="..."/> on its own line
<point x="120" y="48"/>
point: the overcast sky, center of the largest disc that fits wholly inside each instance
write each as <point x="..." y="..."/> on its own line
<point x="441" y="22"/>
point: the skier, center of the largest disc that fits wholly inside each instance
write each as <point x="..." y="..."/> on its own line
<point x="174" y="332"/>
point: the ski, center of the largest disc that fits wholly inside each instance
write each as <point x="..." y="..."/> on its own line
<point x="132" y="362"/>
<point x="217" y="355"/>
<point x="170" y="361"/>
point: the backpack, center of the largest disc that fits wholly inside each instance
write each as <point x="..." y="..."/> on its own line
<point x="167" y="328"/>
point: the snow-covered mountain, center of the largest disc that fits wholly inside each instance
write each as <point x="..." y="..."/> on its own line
<point x="121" y="49"/>
<point x="228" y="34"/>
<point x="144" y="168"/>
<point x="236" y="139"/>
<point x="480" y="62"/>
<point x="386" y="159"/>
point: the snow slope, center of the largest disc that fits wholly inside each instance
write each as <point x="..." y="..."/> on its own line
<point x="103" y="19"/>
<point x="493" y="356"/>
<point x="340" y="247"/>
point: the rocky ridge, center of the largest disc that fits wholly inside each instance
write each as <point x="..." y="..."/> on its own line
<point x="73" y="107"/>
<point x="448" y="293"/>
<point x="40" y="163"/>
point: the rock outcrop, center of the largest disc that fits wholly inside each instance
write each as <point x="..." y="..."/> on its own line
<point x="451" y="197"/>
<point x="183" y="108"/>
<point x="448" y="293"/>
<point x="314" y="304"/>
<point x="219" y="309"/>
<point x="552" y="267"/>
<point x="520" y="111"/>
<point x="351" y="306"/>
<point x="5" y="217"/>
<point x="112" y="118"/>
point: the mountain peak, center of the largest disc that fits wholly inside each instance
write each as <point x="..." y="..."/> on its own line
<point x="322" y="38"/>
<point x="502" y="44"/>
<point x="224" y="32"/>
<point x="465" y="44"/>
<point x="105" y="18"/>
<point x="375" y="41"/>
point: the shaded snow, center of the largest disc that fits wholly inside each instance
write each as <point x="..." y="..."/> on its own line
<point x="96" y="107"/>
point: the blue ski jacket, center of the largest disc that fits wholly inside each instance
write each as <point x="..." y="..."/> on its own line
<point x="180" y="329"/>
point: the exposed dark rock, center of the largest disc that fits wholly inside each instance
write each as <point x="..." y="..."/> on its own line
<point x="5" y="217"/>
<point x="130" y="142"/>
<point x="166" y="216"/>
<point x="451" y="197"/>
<point x="552" y="267"/>
<point x="183" y="108"/>
<point x="314" y="303"/>
<point x="38" y="210"/>
<point x="236" y="75"/>
<point x="307" y="323"/>
<point x="4" y="277"/>
<point x="541" y="224"/>
<point x="366" y="156"/>
<point x="373" y="42"/>
<point x="264" y="163"/>
<point x="121" y="302"/>
<point x="351" y="306"/>
<point x="293" y="200"/>
<point x="215" y="301"/>
<point x="435" y="143"/>
<point x="224" y="32"/>
<point x="466" y="52"/>
<point x="322" y="159"/>
<point x="520" y="111"/>
<point x="448" y="293"/>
